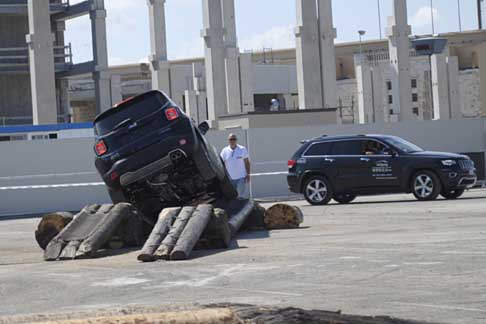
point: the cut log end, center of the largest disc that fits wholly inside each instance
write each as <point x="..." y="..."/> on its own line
<point x="282" y="216"/>
<point x="51" y="225"/>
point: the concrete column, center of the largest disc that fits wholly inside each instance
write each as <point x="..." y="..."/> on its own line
<point x="378" y="95"/>
<point x="440" y="89"/>
<point x="41" y="59"/>
<point x="100" y="55"/>
<point x="233" y="85"/>
<point x="365" y="91"/>
<point x="246" y="80"/>
<point x="399" y="47"/>
<point x="190" y="101"/>
<point x="215" y="52"/>
<point x="64" y="100"/>
<point x="454" y="93"/>
<point x="198" y="75"/>
<point x="232" y="66"/>
<point x="308" y="56"/>
<point x="202" y="106"/>
<point x="198" y="109"/>
<point x="328" y="54"/>
<point x="116" y="89"/>
<point x="287" y="97"/>
<point x="159" y="65"/>
<point x="481" y="52"/>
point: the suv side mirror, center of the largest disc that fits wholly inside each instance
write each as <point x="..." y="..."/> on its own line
<point x="204" y="127"/>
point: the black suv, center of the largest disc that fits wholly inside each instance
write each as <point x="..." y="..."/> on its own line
<point x="343" y="167"/>
<point x="150" y="153"/>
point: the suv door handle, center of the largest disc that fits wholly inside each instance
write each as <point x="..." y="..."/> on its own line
<point x="329" y="160"/>
<point x="365" y="159"/>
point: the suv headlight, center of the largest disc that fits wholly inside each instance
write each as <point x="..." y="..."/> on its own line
<point x="448" y="162"/>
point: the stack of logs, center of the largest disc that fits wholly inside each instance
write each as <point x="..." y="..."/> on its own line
<point x="176" y="233"/>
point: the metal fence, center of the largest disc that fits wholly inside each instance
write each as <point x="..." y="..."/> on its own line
<point x="17" y="58"/>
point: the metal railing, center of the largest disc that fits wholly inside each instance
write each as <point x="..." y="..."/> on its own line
<point x="374" y="57"/>
<point x="18" y="57"/>
<point x="26" y="120"/>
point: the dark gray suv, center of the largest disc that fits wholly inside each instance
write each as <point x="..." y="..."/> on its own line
<point x="344" y="167"/>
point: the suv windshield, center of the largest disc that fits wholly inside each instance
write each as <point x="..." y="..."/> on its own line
<point x="402" y="144"/>
<point x="130" y="111"/>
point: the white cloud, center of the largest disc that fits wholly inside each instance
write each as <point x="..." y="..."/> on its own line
<point x="423" y="17"/>
<point x="276" y="37"/>
<point x="187" y="49"/>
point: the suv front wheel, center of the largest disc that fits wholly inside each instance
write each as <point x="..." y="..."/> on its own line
<point x="426" y="186"/>
<point x="318" y="190"/>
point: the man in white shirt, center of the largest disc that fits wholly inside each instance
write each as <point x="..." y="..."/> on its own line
<point x="237" y="163"/>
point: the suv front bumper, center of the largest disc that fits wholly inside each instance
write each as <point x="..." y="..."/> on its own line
<point x="463" y="179"/>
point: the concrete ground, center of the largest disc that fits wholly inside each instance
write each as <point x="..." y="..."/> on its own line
<point x="387" y="255"/>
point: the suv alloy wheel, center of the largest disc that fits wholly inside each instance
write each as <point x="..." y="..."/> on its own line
<point x="318" y="190"/>
<point x="426" y="186"/>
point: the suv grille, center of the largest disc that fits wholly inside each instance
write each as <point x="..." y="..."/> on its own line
<point x="466" y="164"/>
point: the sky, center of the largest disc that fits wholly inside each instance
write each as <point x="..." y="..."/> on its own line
<point x="260" y="23"/>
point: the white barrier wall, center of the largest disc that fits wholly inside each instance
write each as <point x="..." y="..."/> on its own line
<point x="43" y="176"/>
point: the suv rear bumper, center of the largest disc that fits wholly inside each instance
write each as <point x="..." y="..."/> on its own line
<point x="147" y="162"/>
<point x="151" y="169"/>
<point x="293" y="182"/>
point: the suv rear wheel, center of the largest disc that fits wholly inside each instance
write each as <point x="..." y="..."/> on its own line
<point x="318" y="190"/>
<point x="452" y="194"/>
<point x="344" y="198"/>
<point x="426" y="186"/>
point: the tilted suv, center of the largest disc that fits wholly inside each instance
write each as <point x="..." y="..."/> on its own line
<point x="151" y="154"/>
<point x="343" y="167"/>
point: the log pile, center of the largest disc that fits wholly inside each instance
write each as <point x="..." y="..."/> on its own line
<point x="282" y="216"/>
<point x="177" y="232"/>
<point x="89" y="230"/>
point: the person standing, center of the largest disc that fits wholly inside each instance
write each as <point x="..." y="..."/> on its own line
<point x="237" y="162"/>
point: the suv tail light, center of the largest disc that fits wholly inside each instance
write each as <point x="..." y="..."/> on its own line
<point x="100" y="148"/>
<point x="291" y="163"/>
<point x="171" y="114"/>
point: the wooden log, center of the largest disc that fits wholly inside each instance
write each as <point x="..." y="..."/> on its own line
<point x="256" y="219"/>
<point x="238" y="216"/>
<point x="74" y="229"/>
<point x="282" y="216"/>
<point x="69" y="251"/>
<point x="217" y="234"/>
<point x="50" y="226"/>
<point x="111" y="217"/>
<point x="192" y="232"/>
<point x="164" y="250"/>
<point x="160" y="231"/>
<point x="130" y="233"/>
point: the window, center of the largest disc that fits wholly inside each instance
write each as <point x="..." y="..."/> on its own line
<point x="402" y="144"/>
<point x="416" y="111"/>
<point x="390" y="99"/>
<point x="389" y="85"/>
<point x="374" y="148"/>
<point x="391" y="112"/>
<point x="414" y="97"/>
<point x="318" y="149"/>
<point x="414" y="83"/>
<point x="347" y="148"/>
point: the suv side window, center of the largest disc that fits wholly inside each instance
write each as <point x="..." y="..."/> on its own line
<point x="372" y="147"/>
<point x="347" y="148"/>
<point x="319" y="149"/>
